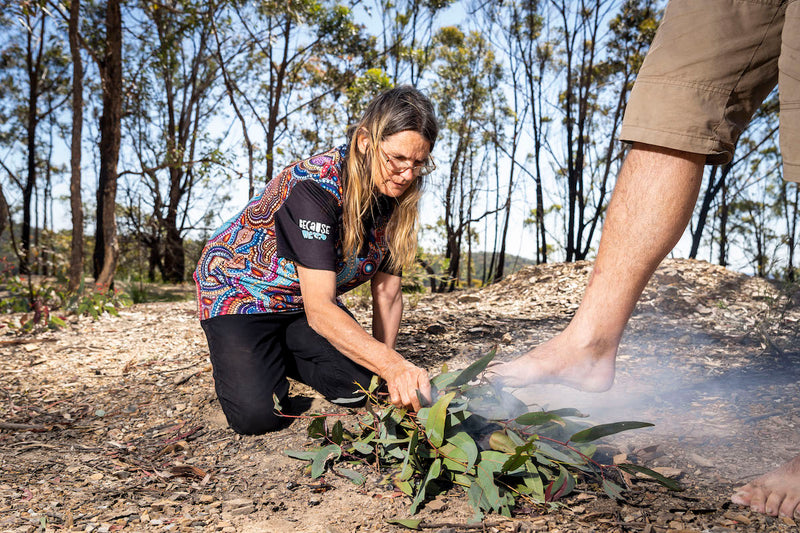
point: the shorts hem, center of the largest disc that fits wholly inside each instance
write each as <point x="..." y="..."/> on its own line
<point x="677" y="141"/>
<point x="791" y="172"/>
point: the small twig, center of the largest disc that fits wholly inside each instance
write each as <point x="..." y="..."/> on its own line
<point x="24" y="427"/>
<point x="170" y="370"/>
<point x="466" y="527"/>
<point x="15" y="342"/>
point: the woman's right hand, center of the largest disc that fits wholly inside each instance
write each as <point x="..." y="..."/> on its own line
<point x="404" y="379"/>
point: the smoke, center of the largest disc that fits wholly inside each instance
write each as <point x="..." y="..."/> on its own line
<point x="709" y="397"/>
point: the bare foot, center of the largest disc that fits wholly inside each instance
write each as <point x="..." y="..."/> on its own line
<point x="586" y="366"/>
<point x="775" y="493"/>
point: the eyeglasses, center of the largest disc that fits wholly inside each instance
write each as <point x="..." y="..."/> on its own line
<point x="398" y="166"/>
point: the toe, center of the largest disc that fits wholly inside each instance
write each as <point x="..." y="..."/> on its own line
<point x="773" y="503"/>
<point x="758" y="500"/>
<point x="741" y="496"/>
<point x="789" y="505"/>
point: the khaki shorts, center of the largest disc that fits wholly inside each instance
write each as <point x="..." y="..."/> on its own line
<point x="710" y="66"/>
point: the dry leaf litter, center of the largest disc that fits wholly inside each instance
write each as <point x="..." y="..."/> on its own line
<point x="112" y="425"/>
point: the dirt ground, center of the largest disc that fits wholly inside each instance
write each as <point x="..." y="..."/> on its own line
<point x="113" y="425"/>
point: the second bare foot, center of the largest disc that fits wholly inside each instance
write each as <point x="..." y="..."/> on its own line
<point x="775" y="493"/>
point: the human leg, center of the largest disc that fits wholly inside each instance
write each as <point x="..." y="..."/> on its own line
<point x="321" y="366"/>
<point x="778" y="492"/>
<point x="708" y="69"/>
<point x="651" y="205"/>
<point x="248" y="362"/>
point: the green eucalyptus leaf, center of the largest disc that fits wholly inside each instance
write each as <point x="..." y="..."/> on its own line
<point x="492" y="461"/>
<point x="435" y="423"/>
<point x="433" y="473"/>
<point x="303" y="456"/>
<point x="515" y="438"/>
<point x="473" y="370"/>
<point x="520" y="457"/>
<point x="671" y="484"/>
<point x="566" y="456"/>
<point x="494" y="403"/>
<point x="488" y="486"/>
<point x="467" y="444"/>
<point x="405" y="487"/>
<point x="534" y="486"/>
<point x="536" y="418"/>
<point x="442" y="381"/>
<point x="408" y="523"/>
<point x="423" y="415"/>
<point x="321" y="457"/>
<point x="316" y="429"/>
<point x="612" y="489"/>
<point x="355" y="477"/>
<point x="476" y="499"/>
<point x="604" y="430"/>
<point x="363" y="448"/>
<point x="453" y="458"/>
<point x="373" y="384"/>
<point x="337" y="433"/>
<point x="499" y="441"/>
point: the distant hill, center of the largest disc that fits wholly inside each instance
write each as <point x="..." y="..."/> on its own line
<point x="480" y="262"/>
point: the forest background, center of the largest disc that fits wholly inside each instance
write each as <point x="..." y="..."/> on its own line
<point x="130" y="130"/>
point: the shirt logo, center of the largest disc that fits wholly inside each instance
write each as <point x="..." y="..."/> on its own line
<point x="314" y="230"/>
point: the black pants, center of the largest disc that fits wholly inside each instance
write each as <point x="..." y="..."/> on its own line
<point x="252" y="355"/>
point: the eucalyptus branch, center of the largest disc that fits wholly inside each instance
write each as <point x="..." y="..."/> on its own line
<point x="445" y="442"/>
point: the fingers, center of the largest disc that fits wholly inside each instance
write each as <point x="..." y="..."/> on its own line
<point x="403" y="387"/>
<point x="425" y="389"/>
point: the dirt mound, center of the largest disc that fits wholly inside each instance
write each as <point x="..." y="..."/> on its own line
<point x="113" y="425"/>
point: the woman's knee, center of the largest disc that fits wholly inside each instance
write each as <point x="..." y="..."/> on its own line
<point x="254" y="420"/>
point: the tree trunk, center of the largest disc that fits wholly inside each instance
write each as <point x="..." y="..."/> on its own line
<point x="711" y="193"/>
<point x="106" y="250"/>
<point x="32" y="121"/>
<point x="723" y="226"/>
<point x="174" y="256"/>
<point x="154" y="259"/>
<point x="793" y="210"/>
<point x="76" y="205"/>
<point x="3" y="211"/>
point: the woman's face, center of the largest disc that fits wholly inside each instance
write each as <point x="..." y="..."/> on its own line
<point x="402" y="157"/>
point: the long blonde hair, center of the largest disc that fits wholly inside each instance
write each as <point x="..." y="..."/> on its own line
<point x="403" y="108"/>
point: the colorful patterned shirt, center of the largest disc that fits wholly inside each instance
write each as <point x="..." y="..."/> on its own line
<point x="250" y="264"/>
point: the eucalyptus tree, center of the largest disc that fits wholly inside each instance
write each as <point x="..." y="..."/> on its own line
<point x="758" y="138"/>
<point x="173" y="100"/>
<point x="101" y="37"/>
<point x="597" y="64"/>
<point x="531" y="46"/>
<point x="34" y="79"/>
<point x="287" y="67"/>
<point x="406" y="36"/>
<point x="788" y="208"/>
<point x="467" y="71"/>
<point x="515" y="30"/>
<point x="76" y="202"/>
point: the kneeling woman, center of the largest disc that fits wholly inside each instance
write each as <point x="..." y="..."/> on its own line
<point x="269" y="280"/>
